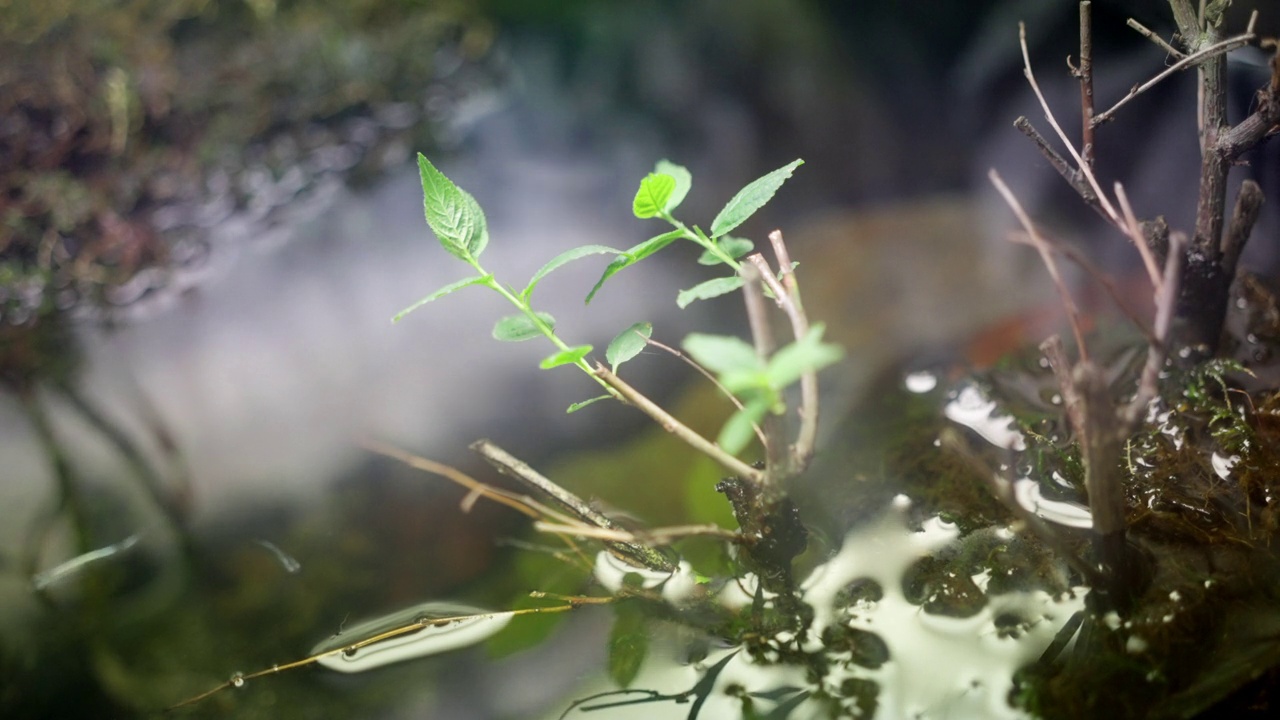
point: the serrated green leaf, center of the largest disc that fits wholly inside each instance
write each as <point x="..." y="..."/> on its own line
<point x="722" y="353"/>
<point x="634" y="255"/>
<point x="628" y="344"/>
<point x="808" y="354"/>
<point x="517" y="328"/>
<point x="583" y="403"/>
<point x="628" y="643"/>
<point x="751" y="198"/>
<point x="708" y="290"/>
<point x="651" y="198"/>
<point x="565" y="357"/>
<point x="452" y="213"/>
<point x="683" y="178"/>
<point x="734" y="247"/>
<point x="565" y="257"/>
<point x="451" y="287"/>
<point x="740" y="428"/>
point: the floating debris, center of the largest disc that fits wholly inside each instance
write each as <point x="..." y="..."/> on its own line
<point x="289" y="564"/>
<point x="43" y="580"/>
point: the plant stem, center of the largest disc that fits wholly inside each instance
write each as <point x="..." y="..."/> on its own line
<point x="702" y="240"/>
<point x="548" y="331"/>
<point x="508" y="464"/>
<point x="679" y="429"/>
<point x="1086" y="83"/>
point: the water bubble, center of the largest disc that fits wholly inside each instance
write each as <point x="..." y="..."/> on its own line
<point x="921" y="382"/>
<point x="237" y="680"/>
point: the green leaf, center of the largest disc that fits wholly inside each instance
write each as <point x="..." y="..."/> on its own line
<point x="808" y="354"/>
<point x="635" y="255"/>
<point x="628" y="344"/>
<point x="738" y="432"/>
<point x="750" y="199"/>
<point x="684" y="181"/>
<point x="565" y="357"/>
<point x="477" y="280"/>
<point x="453" y="215"/>
<point x="651" y="198"/>
<point x="734" y="247"/>
<point x="581" y="404"/>
<point x="517" y="328"/>
<point x="565" y="257"/>
<point x="653" y="245"/>
<point x="722" y="353"/>
<point x="708" y="289"/>
<point x="628" y="643"/>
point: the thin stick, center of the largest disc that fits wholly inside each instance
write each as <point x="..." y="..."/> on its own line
<point x="1046" y="256"/>
<point x="1157" y="351"/>
<point x="710" y="377"/>
<point x="239" y="679"/>
<point x="1086" y="83"/>
<point x="806" y="439"/>
<point x="1098" y="276"/>
<point x="1139" y="240"/>
<point x="679" y="429"/>
<point x="1110" y="211"/>
<point x="1073" y="177"/>
<point x="655" y="536"/>
<point x="513" y="467"/>
<point x="522" y="504"/>
<point x="1153" y="37"/>
<point x="1187" y="61"/>
<point x="762" y="337"/>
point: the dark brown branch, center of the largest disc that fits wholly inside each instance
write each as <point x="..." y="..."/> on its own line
<point x="1059" y="163"/>
<point x="1159" y="41"/>
<point x="1085" y="73"/>
<point x="1248" y="205"/>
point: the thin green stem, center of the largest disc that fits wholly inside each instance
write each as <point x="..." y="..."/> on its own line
<point x="543" y="327"/>
<point x="701" y="239"/>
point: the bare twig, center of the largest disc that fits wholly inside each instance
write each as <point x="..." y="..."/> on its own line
<point x="790" y="301"/>
<point x="520" y="503"/>
<point x="1158" y="349"/>
<point x="1046" y="256"/>
<point x="655" y="536"/>
<point x="1073" y="177"/>
<point x="1187" y="61"/>
<point x="679" y="429"/>
<point x="513" y="467"/>
<point x="1134" y="232"/>
<point x="1098" y="276"/>
<point x="775" y="441"/>
<point x="1153" y="37"/>
<point x="1061" y="366"/>
<point x="710" y="377"/>
<point x="1085" y="73"/>
<point x="1107" y="208"/>
<point x="1248" y="205"/>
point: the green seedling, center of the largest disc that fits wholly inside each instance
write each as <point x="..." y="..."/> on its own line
<point x="460" y="226"/>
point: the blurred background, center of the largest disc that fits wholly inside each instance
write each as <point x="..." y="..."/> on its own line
<point x="209" y="212"/>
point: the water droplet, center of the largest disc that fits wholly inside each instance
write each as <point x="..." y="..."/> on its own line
<point x="921" y="382"/>
<point x="237" y="680"/>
